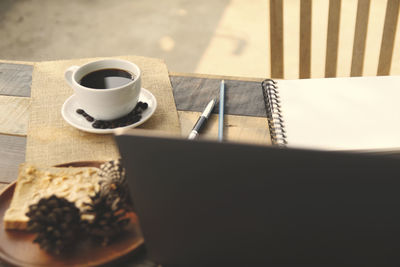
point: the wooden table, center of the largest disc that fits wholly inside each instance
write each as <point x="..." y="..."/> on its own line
<point x="15" y="82"/>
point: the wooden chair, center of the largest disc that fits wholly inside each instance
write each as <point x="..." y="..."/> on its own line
<point x="334" y="38"/>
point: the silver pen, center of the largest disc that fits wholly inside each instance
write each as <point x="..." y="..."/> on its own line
<point x="202" y="120"/>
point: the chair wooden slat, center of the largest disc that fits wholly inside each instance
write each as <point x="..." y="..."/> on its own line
<point x="347" y="27"/>
<point x="319" y="27"/>
<point x="332" y="38"/>
<point x="389" y="31"/>
<point x="395" y="64"/>
<point x="305" y="38"/>
<point x="360" y="37"/>
<point x="276" y="38"/>
<point x="291" y="39"/>
<point x="376" y="21"/>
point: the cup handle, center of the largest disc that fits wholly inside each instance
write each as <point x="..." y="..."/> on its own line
<point x="68" y="74"/>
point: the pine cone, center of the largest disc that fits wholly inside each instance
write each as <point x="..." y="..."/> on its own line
<point x="113" y="181"/>
<point x="108" y="218"/>
<point x="56" y="222"/>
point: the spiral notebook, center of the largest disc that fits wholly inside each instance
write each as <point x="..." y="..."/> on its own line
<point x="357" y="113"/>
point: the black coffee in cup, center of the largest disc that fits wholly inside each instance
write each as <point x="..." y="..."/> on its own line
<point x="106" y="78"/>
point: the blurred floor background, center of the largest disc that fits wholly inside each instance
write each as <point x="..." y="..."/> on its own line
<point x="227" y="37"/>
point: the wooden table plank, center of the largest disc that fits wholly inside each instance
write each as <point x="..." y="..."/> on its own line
<point x="244" y="129"/>
<point x="241" y="97"/>
<point x="12" y="153"/>
<point x="14" y="114"/>
<point x="238" y="128"/>
<point x="15" y="79"/>
<point x="210" y="76"/>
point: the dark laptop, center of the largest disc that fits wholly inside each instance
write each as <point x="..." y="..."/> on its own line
<point x="203" y="202"/>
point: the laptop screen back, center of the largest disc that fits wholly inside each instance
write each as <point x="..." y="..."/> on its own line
<point x="207" y="202"/>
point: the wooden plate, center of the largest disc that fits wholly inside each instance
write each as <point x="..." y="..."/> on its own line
<point x="16" y="247"/>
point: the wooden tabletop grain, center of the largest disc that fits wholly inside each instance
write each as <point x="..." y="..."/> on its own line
<point x="15" y="85"/>
<point x="15" y="89"/>
<point x="15" y="82"/>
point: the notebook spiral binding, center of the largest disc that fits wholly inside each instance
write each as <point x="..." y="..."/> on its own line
<point x="276" y="124"/>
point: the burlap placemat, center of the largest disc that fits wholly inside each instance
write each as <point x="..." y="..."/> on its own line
<point x="52" y="141"/>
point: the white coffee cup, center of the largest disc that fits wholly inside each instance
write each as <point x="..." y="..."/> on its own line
<point x="110" y="103"/>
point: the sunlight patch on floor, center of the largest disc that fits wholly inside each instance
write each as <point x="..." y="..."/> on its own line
<point x="239" y="45"/>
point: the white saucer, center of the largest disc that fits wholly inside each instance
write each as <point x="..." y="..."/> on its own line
<point x="68" y="112"/>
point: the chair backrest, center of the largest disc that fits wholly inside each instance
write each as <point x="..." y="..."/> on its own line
<point x="334" y="38"/>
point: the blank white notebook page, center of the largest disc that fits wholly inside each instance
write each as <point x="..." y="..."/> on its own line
<point x="342" y="113"/>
